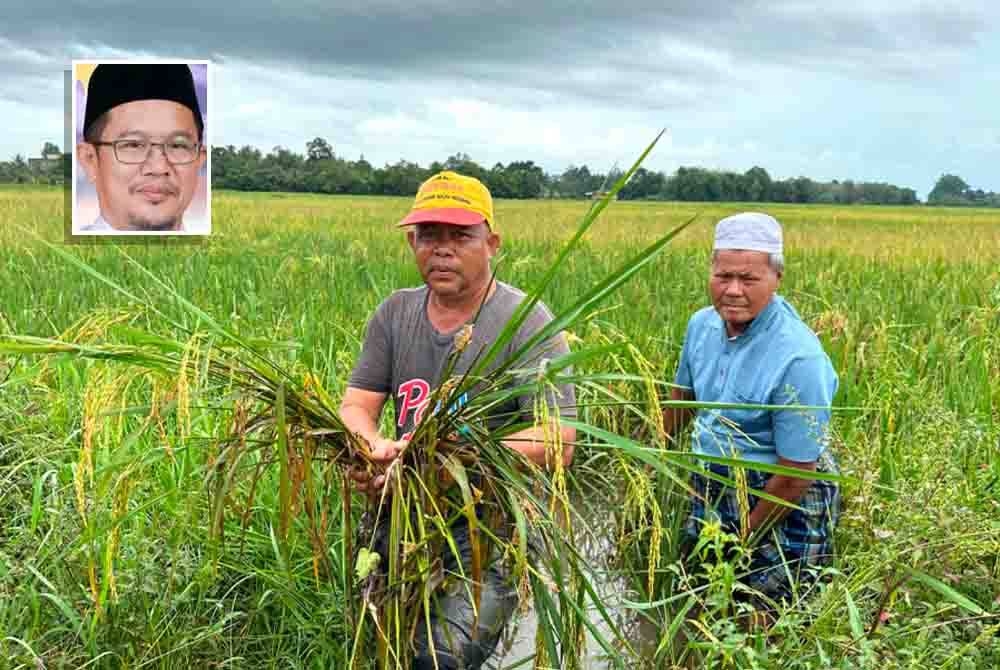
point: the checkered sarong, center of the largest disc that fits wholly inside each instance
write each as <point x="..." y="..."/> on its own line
<point x="803" y="539"/>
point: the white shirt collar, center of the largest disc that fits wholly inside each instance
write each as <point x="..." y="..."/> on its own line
<point x="101" y="226"/>
<point x="98" y="226"/>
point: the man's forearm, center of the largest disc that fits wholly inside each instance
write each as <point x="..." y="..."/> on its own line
<point x="531" y="443"/>
<point x="779" y="486"/>
<point x="675" y="419"/>
<point x="358" y="420"/>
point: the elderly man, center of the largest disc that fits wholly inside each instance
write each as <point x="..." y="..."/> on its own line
<point x="751" y="347"/>
<point x="453" y="234"/>
<point x="142" y="146"/>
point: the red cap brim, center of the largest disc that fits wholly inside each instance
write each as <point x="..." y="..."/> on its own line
<point x="453" y="215"/>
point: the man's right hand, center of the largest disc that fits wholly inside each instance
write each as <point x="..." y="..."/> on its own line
<point x="383" y="452"/>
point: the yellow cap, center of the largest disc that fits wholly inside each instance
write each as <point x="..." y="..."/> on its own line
<point x="449" y="197"/>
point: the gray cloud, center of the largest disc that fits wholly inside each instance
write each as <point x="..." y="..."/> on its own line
<point x="592" y="49"/>
<point x="738" y="82"/>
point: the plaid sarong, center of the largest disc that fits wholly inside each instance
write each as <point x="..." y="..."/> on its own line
<point x="803" y="539"/>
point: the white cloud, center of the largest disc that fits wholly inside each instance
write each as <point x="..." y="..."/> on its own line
<point x="16" y="54"/>
<point x="392" y="127"/>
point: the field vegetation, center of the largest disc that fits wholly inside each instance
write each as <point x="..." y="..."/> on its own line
<point x="110" y="553"/>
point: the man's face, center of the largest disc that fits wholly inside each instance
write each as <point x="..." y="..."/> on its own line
<point x="741" y="284"/>
<point x="454" y="260"/>
<point x="151" y="195"/>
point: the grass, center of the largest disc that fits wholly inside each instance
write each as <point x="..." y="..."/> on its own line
<point x="117" y="568"/>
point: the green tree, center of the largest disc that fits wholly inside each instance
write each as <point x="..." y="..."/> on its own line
<point x="464" y="165"/>
<point x="318" y="149"/>
<point x="804" y="189"/>
<point x="524" y="179"/>
<point x="644" y="185"/>
<point x="402" y="178"/>
<point x="950" y="189"/>
<point x="757" y="184"/>
<point x="498" y="183"/>
<point x="363" y="175"/>
<point x="21" y="172"/>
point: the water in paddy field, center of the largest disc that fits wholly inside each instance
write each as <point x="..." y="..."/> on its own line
<point x="597" y="544"/>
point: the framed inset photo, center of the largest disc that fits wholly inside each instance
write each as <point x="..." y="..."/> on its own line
<point x="141" y="157"/>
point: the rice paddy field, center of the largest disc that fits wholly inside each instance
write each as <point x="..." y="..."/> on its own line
<point x="105" y="566"/>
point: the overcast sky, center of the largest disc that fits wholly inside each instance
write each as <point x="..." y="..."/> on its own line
<point x="882" y="91"/>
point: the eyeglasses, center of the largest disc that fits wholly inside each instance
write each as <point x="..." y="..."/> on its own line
<point x="132" y="152"/>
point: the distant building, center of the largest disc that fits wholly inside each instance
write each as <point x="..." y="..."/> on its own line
<point x="597" y="195"/>
<point x="47" y="163"/>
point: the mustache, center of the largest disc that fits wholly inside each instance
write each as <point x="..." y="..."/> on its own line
<point x="162" y="186"/>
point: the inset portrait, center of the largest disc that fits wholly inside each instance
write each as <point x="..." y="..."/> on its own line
<point x="141" y="159"/>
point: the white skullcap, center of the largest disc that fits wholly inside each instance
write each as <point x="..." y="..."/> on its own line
<point x="749" y="231"/>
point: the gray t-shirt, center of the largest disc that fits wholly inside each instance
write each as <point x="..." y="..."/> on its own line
<point x="404" y="356"/>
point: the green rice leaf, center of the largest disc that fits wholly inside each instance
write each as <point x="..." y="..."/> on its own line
<point x="945" y="591"/>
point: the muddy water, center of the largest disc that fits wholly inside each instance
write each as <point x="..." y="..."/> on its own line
<point x="597" y="543"/>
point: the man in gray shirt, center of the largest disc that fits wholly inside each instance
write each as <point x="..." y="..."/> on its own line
<point x="407" y="342"/>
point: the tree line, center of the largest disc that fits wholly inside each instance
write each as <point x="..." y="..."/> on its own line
<point x="319" y="170"/>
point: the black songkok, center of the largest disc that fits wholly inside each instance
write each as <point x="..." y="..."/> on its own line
<point x="113" y="84"/>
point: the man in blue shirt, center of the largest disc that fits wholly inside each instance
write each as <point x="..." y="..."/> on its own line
<point x="751" y="347"/>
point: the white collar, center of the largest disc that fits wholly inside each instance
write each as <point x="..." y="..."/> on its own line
<point x="101" y="226"/>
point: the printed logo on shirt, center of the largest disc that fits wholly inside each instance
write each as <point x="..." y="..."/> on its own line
<point x="414" y="395"/>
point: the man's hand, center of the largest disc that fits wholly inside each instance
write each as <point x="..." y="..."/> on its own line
<point x="784" y="487"/>
<point x="383" y="452"/>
